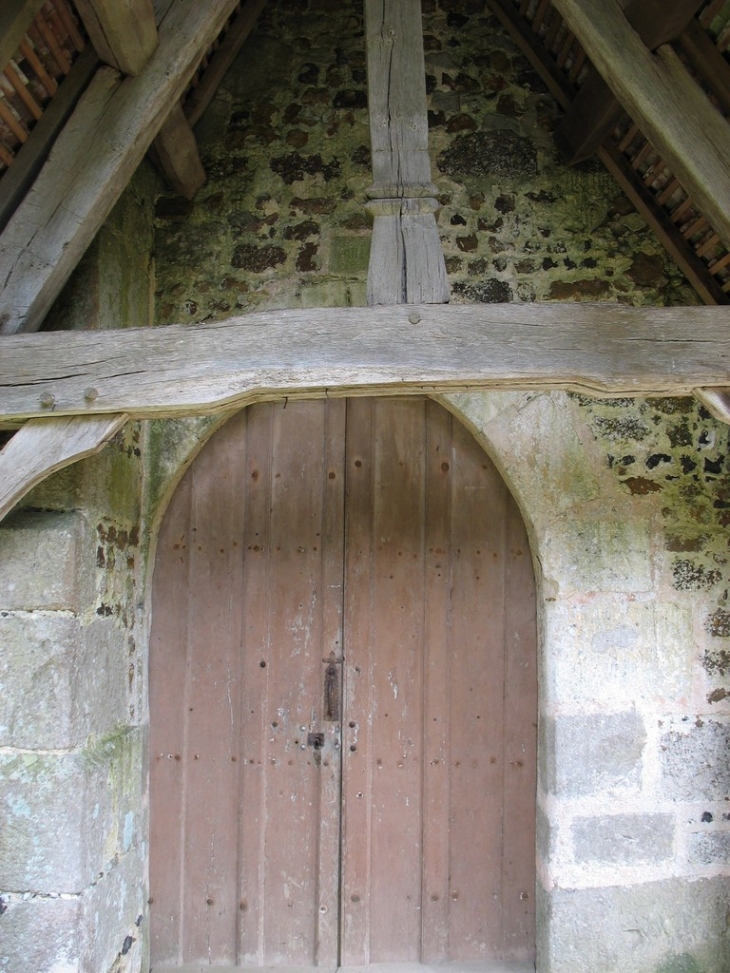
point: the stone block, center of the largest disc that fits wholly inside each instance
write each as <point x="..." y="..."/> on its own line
<point x="709" y="848"/>
<point x="624" y="839"/>
<point x="40" y="935"/>
<point x="65" y="816"/>
<point x="694" y="761"/>
<point x="114" y="921"/>
<point x="672" y="926"/>
<point x="540" y="443"/>
<point x="349" y="255"/>
<point x="615" y="650"/>
<point x="589" y="753"/>
<point x="600" y="549"/>
<point x="46" y="561"/>
<point x="60" y="680"/>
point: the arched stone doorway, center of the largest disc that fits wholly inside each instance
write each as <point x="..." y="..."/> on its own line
<point x="343" y="696"/>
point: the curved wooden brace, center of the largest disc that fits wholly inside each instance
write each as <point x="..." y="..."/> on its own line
<point x="43" y="446"/>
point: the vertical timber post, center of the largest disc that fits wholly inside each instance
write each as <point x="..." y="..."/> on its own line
<point x="406" y="260"/>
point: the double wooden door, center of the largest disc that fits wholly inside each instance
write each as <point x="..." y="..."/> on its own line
<point x="342" y="696"/>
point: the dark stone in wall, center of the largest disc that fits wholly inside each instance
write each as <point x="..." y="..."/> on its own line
<point x="484" y="292"/>
<point x="500" y="153"/>
<point x="257" y="259"/>
<point x="292" y="167"/>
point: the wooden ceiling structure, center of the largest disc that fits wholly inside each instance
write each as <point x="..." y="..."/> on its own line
<point x="90" y="86"/>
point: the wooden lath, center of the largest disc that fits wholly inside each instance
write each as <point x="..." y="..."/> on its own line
<point x="31" y="78"/>
<point x="646" y="178"/>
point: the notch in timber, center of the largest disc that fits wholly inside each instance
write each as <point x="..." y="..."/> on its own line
<point x="406" y="260"/>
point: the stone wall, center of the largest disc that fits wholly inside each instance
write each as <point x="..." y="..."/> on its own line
<point x="626" y="503"/>
<point x="281" y="221"/>
<point x="73" y="735"/>
<point x="625" y="499"/>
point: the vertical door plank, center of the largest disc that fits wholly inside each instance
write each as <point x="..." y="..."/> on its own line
<point x="358" y="691"/>
<point x="167" y="678"/>
<point x="520" y="744"/>
<point x="476" y="679"/>
<point x="212" y="702"/>
<point x="437" y="686"/>
<point x="385" y="501"/>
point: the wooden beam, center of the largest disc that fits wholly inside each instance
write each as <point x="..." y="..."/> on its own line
<point x="43" y="446"/>
<point x="596" y="111"/>
<point x="175" y="150"/>
<point x="124" y="34"/>
<point x="628" y="179"/>
<point x="669" y="107"/>
<point x="406" y="260"/>
<point x="604" y="349"/>
<point x="236" y="35"/>
<point x="716" y="401"/>
<point x="91" y="163"/>
<point x="708" y="62"/>
<point x="16" y="16"/>
<point x="18" y="179"/>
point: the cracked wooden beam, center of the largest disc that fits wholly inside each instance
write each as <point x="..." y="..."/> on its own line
<point x="406" y="260"/>
<point x="601" y="349"/>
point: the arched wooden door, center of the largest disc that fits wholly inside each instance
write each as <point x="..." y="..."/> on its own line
<point x="342" y="697"/>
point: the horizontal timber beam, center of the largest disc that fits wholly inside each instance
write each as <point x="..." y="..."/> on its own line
<point x="601" y="349"/>
<point x="665" y="102"/>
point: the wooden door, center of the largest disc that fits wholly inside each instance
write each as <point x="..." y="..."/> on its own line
<point x="310" y="811"/>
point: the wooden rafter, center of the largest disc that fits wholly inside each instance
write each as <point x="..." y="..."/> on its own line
<point x="78" y="187"/>
<point x="666" y="206"/>
<point x="656" y="91"/>
<point x="187" y="370"/>
<point x="593" y="114"/>
<point x="124" y="35"/>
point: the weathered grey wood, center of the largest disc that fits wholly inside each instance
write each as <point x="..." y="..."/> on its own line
<point x="43" y="446"/>
<point x="16" y="16"/>
<point x="596" y="111"/>
<point x="705" y="58"/>
<point x="123" y="32"/>
<point x="716" y="401"/>
<point x="670" y="108"/>
<point x="31" y="155"/>
<point x="406" y="260"/>
<point x="177" y="154"/>
<point x="185" y="370"/>
<point x="643" y="199"/>
<point x="78" y="187"/>
<point x="234" y="39"/>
